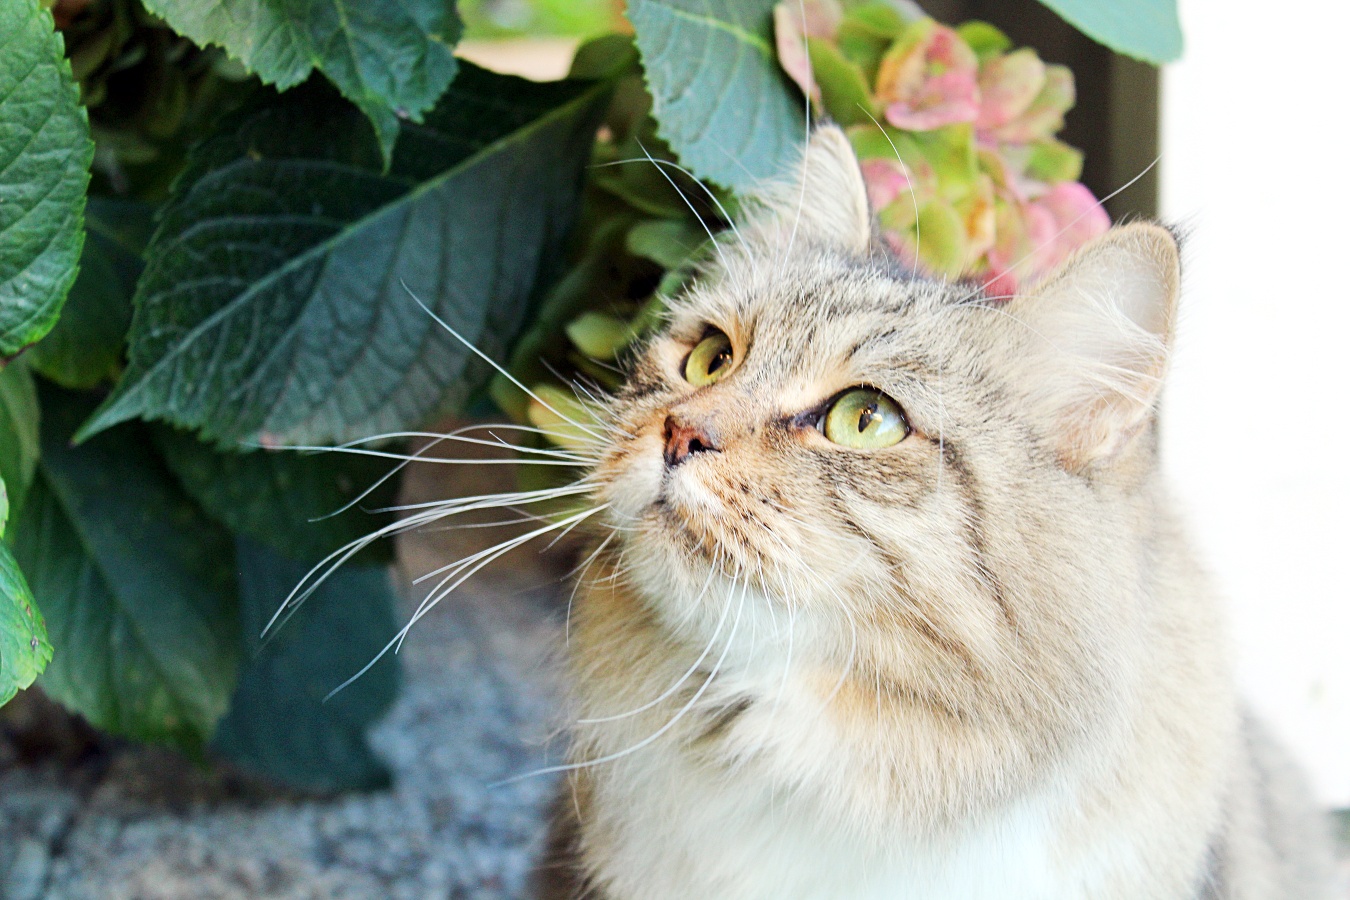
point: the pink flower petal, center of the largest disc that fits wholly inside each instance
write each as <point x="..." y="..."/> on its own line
<point x="1077" y="215"/>
<point x="1045" y="115"/>
<point x="946" y="49"/>
<point x="822" y="16"/>
<point x="999" y="284"/>
<point x="886" y="180"/>
<point x="791" y="44"/>
<point x="1008" y="85"/>
<point x="1042" y="232"/>
<point x="941" y="100"/>
<point x="901" y="72"/>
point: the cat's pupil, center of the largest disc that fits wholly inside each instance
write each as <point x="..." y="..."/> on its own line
<point x="867" y="417"/>
<point x="718" y="361"/>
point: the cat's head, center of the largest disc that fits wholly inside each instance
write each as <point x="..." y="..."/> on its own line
<point x="946" y="488"/>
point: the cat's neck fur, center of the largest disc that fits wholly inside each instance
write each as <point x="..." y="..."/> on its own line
<point x="778" y="782"/>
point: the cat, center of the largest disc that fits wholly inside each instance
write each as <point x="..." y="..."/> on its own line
<point x="891" y="601"/>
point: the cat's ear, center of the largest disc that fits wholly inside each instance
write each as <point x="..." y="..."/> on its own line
<point x="1098" y="334"/>
<point x="824" y="201"/>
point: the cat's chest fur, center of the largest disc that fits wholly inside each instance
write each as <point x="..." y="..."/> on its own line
<point x="758" y="793"/>
<point x="721" y="819"/>
<point x="767" y="847"/>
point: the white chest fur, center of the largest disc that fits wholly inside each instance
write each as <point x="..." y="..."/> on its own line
<point x="733" y="840"/>
<point x="677" y="827"/>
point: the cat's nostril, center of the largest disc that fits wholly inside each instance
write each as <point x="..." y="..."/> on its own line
<point x="684" y="440"/>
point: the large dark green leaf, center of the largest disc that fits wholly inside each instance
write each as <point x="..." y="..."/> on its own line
<point x="44" y="166"/>
<point x="24" y="649"/>
<point x="279" y="724"/>
<point x="283" y="498"/>
<point x="86" y="345"/>
<point x="1145" y="29"/>
<point x="136" y="583"/>
<point x="724" y="104"/>
<point x="392" y="59"/>
<point x="272" y="308"/>
<point x="18" y="432"/>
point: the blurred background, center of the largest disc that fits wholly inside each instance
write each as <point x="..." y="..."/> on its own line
<point x="1256" y="435"/>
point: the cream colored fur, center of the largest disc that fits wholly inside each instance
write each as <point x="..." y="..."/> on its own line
<point x="983" y="663"/>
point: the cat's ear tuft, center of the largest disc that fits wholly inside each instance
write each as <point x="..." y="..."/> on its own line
<point x="824" y="202"/>
<point x="1098" y="334"/>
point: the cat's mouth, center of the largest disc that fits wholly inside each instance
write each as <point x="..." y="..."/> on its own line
<point x="701" y="512"/>
<point x="691" y="537"/>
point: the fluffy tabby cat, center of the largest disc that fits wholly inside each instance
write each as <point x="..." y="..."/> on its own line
<point x="896" y="603"/>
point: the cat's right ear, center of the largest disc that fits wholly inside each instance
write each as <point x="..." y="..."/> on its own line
<point x="1095" y="338"/>
<point x="824" y="203"/>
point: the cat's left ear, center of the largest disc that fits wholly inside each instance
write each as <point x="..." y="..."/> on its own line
<point x="825" y="202"/>
<point x="1097" y="338"/>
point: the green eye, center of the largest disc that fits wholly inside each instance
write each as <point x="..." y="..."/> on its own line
<point x="865" y="419"/>
<point x="710" y="360"/>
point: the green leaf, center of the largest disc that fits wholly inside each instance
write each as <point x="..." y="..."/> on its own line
<point x="136" y="583"/>
<point x="24" y="648"/>
<point x="867" y="31"/>
<point x="843" y="87"/>
<point x="391" y="59"/>
<point x="45" y="153"/>
<point x="273" y="308"/>
<point x="941" y="238"/>
<point x="278" y="723"/>
<point x="284" y="498"/>
<point x="607" y="56"/>
<point x="667" y="242"/>
<point x="1051" y="160"/>
<point x="985" y="39"/>
<point x="18" y="432"/>
<point x="602" y="272"/>
<point x="86" y="345"/>
<point x="951" y="153"/>
<point x="722" y="101"/>
<point x="1147" y="29"/>
<point x="599" y="335"/>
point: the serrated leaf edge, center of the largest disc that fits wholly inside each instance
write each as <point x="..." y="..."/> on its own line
<point x="122" y="404"/>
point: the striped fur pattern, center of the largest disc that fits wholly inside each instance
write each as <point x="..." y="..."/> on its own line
<point x="981" y="663"/>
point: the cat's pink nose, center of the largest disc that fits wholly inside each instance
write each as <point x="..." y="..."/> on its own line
<point x="683" y="440"/>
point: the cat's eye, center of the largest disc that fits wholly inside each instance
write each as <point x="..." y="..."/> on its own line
<point x="710" y="359"/>
<point x="865" y="419"/>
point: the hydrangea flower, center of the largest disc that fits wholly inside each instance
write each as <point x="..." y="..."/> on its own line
<point x="955" y="131"/>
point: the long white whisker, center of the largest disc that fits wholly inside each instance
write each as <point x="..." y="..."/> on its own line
<point x="913" y="195"/>
<point x="492" y="362"/>
<point x="434" y="511"/>
<point x="683" y="678"/>
<point x="660" y="731"/>
<point x="806" y="146"/>
<point x="722" y="210"/>
<point x="712" y="237"/>
<point x="579" y="574"/>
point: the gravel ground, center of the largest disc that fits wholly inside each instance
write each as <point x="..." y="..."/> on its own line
<point x="85" y="819"/>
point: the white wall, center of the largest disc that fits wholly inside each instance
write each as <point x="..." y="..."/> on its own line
<point x="1256" y="161"/>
